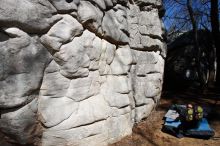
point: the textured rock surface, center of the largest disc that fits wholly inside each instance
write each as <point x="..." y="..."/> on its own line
<point x="78" y="72"/>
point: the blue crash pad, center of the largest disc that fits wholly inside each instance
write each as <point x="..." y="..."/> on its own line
<point x="172" y="122"/>
<point x="202" y="125"/>
<point x="173" y="125"/>
<point x="202" y="130"/>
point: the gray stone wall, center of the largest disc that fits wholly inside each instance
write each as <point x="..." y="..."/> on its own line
<point x="78" y="72"/>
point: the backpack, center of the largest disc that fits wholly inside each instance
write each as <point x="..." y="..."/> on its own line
<point x="193" y="113"/>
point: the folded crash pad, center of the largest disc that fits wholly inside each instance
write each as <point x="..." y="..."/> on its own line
<point x="202" y="130"/>
<point x="172" y="126"/>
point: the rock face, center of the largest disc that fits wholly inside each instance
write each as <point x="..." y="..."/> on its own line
<point x="78" y="72"/>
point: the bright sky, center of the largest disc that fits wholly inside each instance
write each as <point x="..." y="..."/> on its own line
<point x="177" y="15"/>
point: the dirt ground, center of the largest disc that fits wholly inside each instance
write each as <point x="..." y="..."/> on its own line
<point x="148" y="132"/>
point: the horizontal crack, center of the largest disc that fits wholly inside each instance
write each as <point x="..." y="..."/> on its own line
<point x="88" y="124"/>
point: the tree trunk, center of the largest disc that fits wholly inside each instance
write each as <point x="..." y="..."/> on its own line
<point x="216" y="34"/>
<point x="212" y="67"/>
<point x="197" y="50"/>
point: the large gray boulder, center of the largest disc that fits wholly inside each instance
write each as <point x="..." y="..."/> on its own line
<point x="21" y="125"/>
<point x="22" y="61"/>
<point x="78" y="72"/>
<point x="65" y="6"/>
<point x="34" y="16"/>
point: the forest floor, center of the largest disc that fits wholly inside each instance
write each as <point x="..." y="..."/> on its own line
<point x="148" y="132"/>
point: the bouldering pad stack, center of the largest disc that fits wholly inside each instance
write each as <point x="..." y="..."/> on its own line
<point x="175" y="126"/>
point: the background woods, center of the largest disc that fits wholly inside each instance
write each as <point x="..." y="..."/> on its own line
<point x="193" y="41"/>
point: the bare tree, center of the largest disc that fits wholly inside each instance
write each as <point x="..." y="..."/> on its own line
<point x="186" y="15"/>
<point x="216" y="33"/>
<point x="197" y="51"/>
